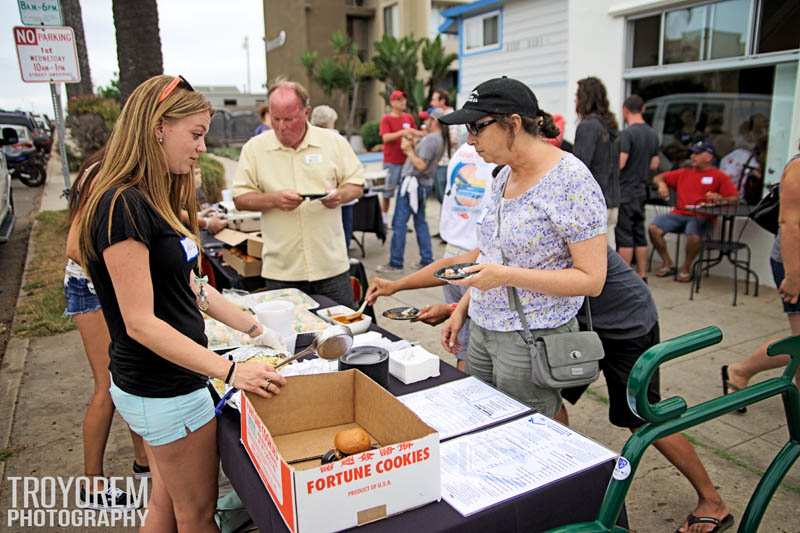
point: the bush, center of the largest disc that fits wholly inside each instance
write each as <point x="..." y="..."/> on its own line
<point x="213" y="178"/>
<point x="107" y="108"/>
<point x="370" y="133"/>
<point x="90" y="120"/>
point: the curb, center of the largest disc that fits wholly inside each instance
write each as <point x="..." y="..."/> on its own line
<point x="16" y="354"/>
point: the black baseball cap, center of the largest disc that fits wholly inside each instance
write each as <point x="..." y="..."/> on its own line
<point x="498" y="96"/>
<point x="703" y="146"/>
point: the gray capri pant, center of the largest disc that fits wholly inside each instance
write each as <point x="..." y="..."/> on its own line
<point x="502" y="359"/>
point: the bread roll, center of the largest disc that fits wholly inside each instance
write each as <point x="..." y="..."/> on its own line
<point x="350" y="441"/>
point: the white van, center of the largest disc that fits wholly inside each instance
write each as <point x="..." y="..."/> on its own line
<point x="727" y="120"/>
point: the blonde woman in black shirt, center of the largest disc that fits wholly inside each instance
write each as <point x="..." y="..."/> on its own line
<point x="141" y="259"/>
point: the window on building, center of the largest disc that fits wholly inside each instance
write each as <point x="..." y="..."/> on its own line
<point x="482" y="31"/>
<point x="684" y="32"/>
<point x="778" y="24"/>
<point x="646" y="36"/>
<point x="727" y="29"/>
<point x="229" y="102"/>
<point x="391" y="20"/>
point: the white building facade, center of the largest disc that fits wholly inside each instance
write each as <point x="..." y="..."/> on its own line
<point x="721" y="70"/>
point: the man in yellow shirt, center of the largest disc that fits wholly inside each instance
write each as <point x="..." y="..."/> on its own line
<point x="298" y="176"/>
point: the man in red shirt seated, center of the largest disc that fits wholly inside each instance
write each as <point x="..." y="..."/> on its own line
<point x="701" y="183"/>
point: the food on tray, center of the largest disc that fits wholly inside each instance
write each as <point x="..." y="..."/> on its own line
<point x="401" y="313"/>
<point x="346" y="319"/>
<point x="451" y="272"/>
<point x="350" y="441"/>
<point x="271" y="360"/>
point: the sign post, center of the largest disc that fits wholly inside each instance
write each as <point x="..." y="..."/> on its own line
<point x="47" y="54"/>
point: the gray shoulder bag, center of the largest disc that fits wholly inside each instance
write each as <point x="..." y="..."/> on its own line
<point x="560" y="360"/>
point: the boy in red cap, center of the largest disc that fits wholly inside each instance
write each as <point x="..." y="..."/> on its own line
<point x="393" y="126"/>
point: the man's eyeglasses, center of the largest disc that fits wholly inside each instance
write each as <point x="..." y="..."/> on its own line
<point x="179" y="81"/>
<point x="474" y="128"/>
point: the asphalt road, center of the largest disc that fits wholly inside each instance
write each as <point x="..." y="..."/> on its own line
<point x="12" y="255"/>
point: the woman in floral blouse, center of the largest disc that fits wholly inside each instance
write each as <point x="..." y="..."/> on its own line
<point x="550" y="244"/>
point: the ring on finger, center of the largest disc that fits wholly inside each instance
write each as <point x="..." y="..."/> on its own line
<point x="266" y="387"/>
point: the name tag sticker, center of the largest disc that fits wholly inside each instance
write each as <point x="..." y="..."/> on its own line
<point x="189" y="248"/>
<point x="313" y="159"/>
<point x="707" y="180"/>
<point x="406" y="125"/>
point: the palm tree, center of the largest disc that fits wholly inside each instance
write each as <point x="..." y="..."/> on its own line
<point x="73" y="18"/>
<point x="138" y="43"/>
<point x="436" y="61"/>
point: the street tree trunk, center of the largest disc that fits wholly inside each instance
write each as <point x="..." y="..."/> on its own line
<point x="74" y="19"/>
<point x="138" y="43"/>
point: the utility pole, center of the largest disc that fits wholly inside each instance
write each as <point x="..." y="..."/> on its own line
<point x="246" y="46"/>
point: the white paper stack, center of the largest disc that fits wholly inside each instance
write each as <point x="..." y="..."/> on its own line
<point x="373" y="338"/>
<point x="413" y="364"/>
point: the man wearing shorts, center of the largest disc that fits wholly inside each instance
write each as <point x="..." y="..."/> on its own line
<point x="393" y="126"/>
<point x="701" y="183"/>
<point x="625" y="318"/>
<point x="638" y="156"/>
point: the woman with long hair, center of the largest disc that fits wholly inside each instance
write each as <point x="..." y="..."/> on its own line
<point x="141" y="259"/>
<point x="595" y="143"/>
<point x="542" y="238"/>
<point x="84" y="308"/>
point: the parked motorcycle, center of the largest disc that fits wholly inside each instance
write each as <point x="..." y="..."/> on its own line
<point x="24" y="161"/>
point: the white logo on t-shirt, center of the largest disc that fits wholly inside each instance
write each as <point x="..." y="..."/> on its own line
<point x="189" y="248"/>
<point x="707" y="180"/>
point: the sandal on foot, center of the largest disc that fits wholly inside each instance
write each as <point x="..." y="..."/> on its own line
<point x="663" y="272"/>
<point x="726" y="384"/>
<point x="719" y="525"/>
<point x="683" y="277"/>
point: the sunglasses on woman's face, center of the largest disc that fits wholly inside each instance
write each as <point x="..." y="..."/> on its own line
<point x="179" y="81"/>
<point x="474" y="128"/>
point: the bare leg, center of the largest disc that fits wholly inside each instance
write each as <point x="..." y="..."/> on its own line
<point x="742" y="372"/>
<point x="680" y="452"/>
<point x="160" y="514"/>
<point x="626" y="254"/>
<point x="189" y="469"/>
<point x="100" y="409"/>
<point x="641" y="260"/>
<point x="693" y="243"/>
<point x="657" y="238"/>
<point x="562" y="415"/>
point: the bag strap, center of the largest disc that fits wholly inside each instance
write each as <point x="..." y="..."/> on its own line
<point x="513" y="295"/>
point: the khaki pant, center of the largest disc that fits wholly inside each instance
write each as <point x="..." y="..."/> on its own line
<point x="502" y="359"/>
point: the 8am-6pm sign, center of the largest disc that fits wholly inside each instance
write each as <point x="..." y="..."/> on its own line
<point x="47" y="54"/>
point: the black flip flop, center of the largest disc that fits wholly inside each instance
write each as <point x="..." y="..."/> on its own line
<point x="719" y="525"/>
<point x="726" y="384"/>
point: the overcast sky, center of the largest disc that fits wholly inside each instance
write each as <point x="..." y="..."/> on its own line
<point x="200" y="39"/>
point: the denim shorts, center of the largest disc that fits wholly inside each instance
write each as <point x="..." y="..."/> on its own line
<point x="674" y="223"/>
<point x="80" y="296"/>
<point x="392" y="177"/>
<point x="160" y="421"/>
<point x="778" y="273"/>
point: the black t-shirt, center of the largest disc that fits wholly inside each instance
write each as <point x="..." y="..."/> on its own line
<point x="598" y="147"/>
<point x="640" y="142"/>
<point x="134" y="368"/>
<point x="625" y="308"/>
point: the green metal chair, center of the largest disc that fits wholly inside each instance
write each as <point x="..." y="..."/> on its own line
<point x="671" y="416"/>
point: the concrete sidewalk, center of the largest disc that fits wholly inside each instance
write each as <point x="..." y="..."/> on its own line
<point x="55" y="382"/>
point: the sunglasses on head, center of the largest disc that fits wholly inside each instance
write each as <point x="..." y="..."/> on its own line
<point x="474" y="128"/>
<point x="178" y="81"/>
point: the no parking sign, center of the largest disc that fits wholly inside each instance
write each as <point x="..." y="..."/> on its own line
<point x="47" y="54"/>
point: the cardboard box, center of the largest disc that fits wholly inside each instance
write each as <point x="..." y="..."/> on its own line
<point x="245" y="221"/>
<point x="255" y="245"/>
<point x="300" y="423"/>
<point x="239" y="260"/>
